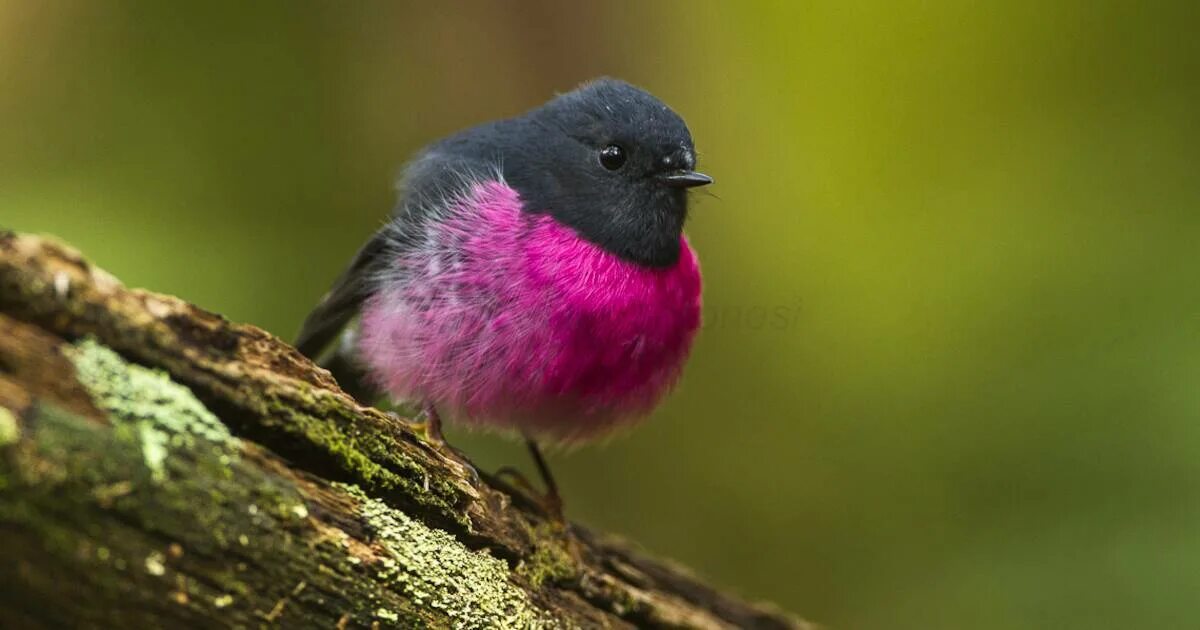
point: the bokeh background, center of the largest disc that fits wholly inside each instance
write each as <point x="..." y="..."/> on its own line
<point x="949" y="377"/>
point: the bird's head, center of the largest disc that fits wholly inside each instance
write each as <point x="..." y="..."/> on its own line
<point x="612" y="162"/>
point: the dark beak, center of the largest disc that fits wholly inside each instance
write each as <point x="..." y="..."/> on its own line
<point x="684" y="179"/>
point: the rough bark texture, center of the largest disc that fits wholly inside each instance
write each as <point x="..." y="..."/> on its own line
<point x="163" y="467"/>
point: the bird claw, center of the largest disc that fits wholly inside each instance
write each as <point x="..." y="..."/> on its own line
<point x="428" y="427"/>
<point x="548" y="503"/>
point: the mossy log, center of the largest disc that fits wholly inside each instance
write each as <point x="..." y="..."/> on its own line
<point x="163" y="467"/>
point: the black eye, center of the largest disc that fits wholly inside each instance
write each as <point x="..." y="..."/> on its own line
<point x="612" y="157"/>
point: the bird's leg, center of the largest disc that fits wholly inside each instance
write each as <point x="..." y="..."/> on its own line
<point x="431" y="423"/>
<point x="552" y="501"/>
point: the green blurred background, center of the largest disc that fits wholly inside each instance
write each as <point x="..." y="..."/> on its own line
<point x="949" y="375"/>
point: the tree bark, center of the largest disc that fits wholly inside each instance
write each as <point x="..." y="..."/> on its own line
<point x="163" y="467"/>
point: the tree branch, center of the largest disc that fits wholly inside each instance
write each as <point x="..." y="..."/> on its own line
<point x="160" y="465"/>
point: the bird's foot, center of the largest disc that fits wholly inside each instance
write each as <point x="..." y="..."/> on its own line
<point x="428" y="426"/>
<point x="548" y="503"/>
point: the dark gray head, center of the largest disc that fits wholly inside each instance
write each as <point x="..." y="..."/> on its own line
<point x="613" y="162"/>
<point x="607" y="159"/>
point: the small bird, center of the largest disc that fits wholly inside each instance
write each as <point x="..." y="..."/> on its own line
<point x="532" y="278"/>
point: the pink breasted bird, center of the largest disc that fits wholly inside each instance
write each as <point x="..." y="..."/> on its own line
<point x="534" y="276"/>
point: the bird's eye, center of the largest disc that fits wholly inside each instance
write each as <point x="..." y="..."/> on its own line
<point x="612" y="157"/>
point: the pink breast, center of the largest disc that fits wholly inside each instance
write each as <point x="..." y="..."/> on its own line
<point x="510" y="320"/>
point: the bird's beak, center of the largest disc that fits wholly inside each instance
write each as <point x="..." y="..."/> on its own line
<point x="684" y="179"/>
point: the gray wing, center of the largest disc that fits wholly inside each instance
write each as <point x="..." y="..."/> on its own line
<point x="432" y="178"/>
<point x="344" y="299"/>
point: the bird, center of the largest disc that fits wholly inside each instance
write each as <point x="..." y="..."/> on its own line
<point x="533" y="277"/>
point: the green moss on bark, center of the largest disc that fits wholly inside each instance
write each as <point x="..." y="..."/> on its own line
<point x="10" y="432"/>
<point x="549" y="563"/>
<point x="373" y="458"/>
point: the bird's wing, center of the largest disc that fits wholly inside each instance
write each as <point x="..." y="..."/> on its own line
<point x="430" y="179"/>
<point x="343" y="300"/>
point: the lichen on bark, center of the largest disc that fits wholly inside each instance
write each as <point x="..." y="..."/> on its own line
<point x="163" y="415"/>
<point x="472" y="587"/>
